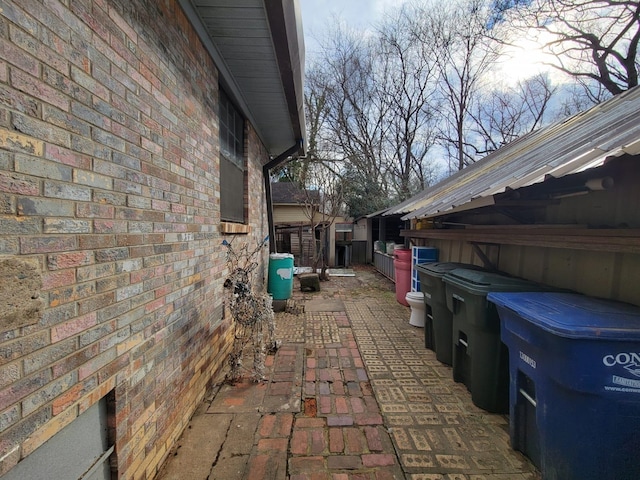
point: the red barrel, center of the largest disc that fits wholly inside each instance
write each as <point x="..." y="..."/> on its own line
<point x="402" y="266"/>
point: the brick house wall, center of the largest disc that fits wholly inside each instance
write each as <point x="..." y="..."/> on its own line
<point x="109" y="219"/>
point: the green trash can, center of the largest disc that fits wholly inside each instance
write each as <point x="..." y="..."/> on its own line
<point x="480" y="359"/>
<point x="280" y="279"/>
<point x="438" y="328"/>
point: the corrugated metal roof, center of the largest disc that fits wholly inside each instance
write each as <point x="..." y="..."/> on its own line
<point x="578" y="143"/>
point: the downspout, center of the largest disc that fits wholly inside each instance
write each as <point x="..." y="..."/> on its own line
<point x="266" y="175"/>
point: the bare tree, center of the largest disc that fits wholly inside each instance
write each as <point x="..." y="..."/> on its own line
<point x="573" y="98"/>
<point x="377" y="91"/>
<point x="318" y="144"/>
<point x="455" y="33"/>
<point x="593" y="41"/>
<point x="505" y="113"/>
<point x="321" y="196"/>
<point x="317" y="112"/>
<point x="407" y="86"/>
<point x="378" y="103"/>
<point x="356" y="115"/>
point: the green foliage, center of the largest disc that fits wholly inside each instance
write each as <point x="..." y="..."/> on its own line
<point x="362" y="196"/>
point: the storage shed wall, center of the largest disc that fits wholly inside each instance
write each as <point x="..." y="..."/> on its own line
<point x="596" y="273"/>
<point x="594" y="270"/>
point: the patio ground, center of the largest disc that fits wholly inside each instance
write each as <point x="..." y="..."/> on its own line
<point x="351" y="394"/>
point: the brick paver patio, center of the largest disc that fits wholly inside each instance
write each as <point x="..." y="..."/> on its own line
<point x="352" y="394"/>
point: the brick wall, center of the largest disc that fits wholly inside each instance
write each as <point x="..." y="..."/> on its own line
<point x="109" y="187"/>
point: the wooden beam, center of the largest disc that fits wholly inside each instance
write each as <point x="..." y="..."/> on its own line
<point x="605" y="239"/>
<point x="485" y="260"/>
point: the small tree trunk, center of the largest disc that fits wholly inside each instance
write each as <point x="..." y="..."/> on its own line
<point x="324" y="274"/>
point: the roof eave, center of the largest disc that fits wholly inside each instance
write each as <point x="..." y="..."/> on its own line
<point x="280" y="124"/>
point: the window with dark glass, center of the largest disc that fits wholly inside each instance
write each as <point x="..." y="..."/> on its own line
<point x="232" y="162"/>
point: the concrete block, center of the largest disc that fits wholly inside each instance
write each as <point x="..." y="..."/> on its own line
<point x="309" y="282"/>
<point x="279" y="305"/>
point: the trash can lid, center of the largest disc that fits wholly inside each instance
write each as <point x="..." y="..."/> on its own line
<point x="280" y="256"/>
<point x="439" y="269"/>
<point x="481" y="282"/>
<point x="573" y="315"/>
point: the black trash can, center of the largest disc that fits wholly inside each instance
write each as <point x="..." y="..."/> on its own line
<point x="575" y="383"/>
<point x="439" y="322"/>
<point x="480" y="359"/>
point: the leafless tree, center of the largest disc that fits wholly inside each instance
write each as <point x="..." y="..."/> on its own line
<point x="407" y="87"/>
<point x="318" y="141"/>
<point x="505" y="113"/>
<point x="355" y="113"/>
<point x="379" y="102"/>
<point x="316" y="111"/>
<point x="378" y="91"/>
<point x="455" y="33"/>
<point x="321" y="197"/>
<point x="572" y="99"/>
<point x="593" y="41"/>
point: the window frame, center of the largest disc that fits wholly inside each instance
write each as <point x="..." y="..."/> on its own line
<point x="233" y="161"/>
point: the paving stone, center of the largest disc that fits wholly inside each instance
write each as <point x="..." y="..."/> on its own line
<point x="198" y="448"/>
<point x="305" y="464"/>
<point x="339" y="420"/>
<point x="267" y="466"/>
<point x="378" y="459"/>
<point x="233" y="468"/>
<point x="240" y="435"/>
<point x="413" y="460"/>
<point x="344" y="462"/>
<point x="273" y="445"/>
<point x="374" y="440"/>
<point x="336" y="440"/>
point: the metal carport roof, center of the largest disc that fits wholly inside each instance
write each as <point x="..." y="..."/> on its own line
<point x="578" y="143"/>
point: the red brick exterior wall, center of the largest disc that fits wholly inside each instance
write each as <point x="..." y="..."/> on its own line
<point x="109" y="183"/>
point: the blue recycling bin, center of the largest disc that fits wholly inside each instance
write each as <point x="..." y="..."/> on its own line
<point x="574" y="383"/>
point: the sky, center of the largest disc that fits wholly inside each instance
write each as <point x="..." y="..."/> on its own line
<point x="362" y="14"/>
<point x="359" y="14"/>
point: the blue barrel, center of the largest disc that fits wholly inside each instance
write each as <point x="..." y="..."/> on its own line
<point x="280" y="282"/>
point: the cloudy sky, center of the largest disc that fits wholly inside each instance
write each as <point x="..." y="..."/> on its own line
<point x="362" y="14"/>
<point x="316" y="15"/>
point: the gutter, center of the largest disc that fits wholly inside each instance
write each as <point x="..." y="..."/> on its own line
<point x="266" y="175"/>
<point x="285" y="23"/>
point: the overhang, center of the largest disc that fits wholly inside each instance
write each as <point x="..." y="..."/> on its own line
<point x="258" y="48"/>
